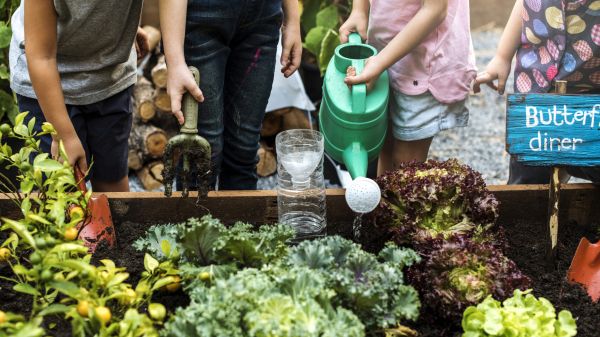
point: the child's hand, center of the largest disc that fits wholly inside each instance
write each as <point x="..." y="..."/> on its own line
<point x="291" y="43"/>
<point x="497" y="69"/>
<point x="180" y="80"/>
<point x="74" y="150"/>
<point x="369" y="75"/>
<point x="356" y="23"/>
<point x="142" y="44"/>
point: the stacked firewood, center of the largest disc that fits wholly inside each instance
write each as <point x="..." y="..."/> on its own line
<point x="153" y="123"/>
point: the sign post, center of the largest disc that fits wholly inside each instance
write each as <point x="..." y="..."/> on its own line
<point x="554" y="130"/>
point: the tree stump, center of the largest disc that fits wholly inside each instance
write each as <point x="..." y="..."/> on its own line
<point x="267" y="163"/>
<point x="151" y="175"/>
<point x="148" y="141"/>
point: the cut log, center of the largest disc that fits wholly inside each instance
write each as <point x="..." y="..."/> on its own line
<point x="167" y="122"/>
<point x="148" y="141"/>
<point x="142" y="97"/>
<point x="159" y="73"/>
<point x="295" y="119"/>
<point x="153" y="36"/>
<point x="134" y="160"/>
<point x="162" y="101"/>
<point x="267" y="163"/>
<point x="272" y="123"/>
<point x="151" y="175"/>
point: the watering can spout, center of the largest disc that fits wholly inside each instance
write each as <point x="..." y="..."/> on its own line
<point x="356" y="159"/>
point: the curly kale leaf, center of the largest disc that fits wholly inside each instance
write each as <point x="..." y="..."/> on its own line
<point x="261" y="303"/>
<point x="160" y="242"/>
<point x="372" y="287"/>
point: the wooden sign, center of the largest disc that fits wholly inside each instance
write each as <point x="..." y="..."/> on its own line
<point x="554" y="130"/>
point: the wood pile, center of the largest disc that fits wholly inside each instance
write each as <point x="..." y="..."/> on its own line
<point x="153" y="123"/>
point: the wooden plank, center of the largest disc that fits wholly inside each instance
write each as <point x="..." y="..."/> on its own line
<point x="518" y="203"/>
<point x="554" y="130"/>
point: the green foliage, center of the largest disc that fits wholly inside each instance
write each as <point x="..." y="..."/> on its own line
<point x="290" y="302"/>
<point x="17" y="325"/>
<point x="321" y="20"/>
<point x="520" y="315"/>
<point x="371" y="286"/>
<point x="8" y="106"/>
<point x="49" y="266"/>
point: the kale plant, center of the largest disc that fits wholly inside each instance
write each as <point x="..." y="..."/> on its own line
<point x="371" y="286"/>
<point x="290" y="302"/>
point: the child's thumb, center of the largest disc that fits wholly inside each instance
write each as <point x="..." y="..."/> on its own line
<point x="352" y="80"/>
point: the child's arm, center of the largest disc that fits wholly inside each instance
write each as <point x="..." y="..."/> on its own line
<point x="291" y="41"/>
<point x="40" y="48"/>
<point x="499" y="66"/>
<point x="357" y="21"/>
<point x="431" y="15"/>
<point x="180" y="79"/>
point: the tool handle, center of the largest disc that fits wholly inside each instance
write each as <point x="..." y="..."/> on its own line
<point x="359" y="91"/>
<point x="80" y="179"/>
<point x="190" y="108"/>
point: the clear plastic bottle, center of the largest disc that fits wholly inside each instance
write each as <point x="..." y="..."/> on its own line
<point x="300" y="182"/>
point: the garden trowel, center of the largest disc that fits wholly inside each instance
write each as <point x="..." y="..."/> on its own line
<point x="585" y="267"/>
<point x="97" y="226"/>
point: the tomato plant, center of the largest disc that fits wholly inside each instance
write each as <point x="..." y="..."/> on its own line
<point x="8" y="106"/>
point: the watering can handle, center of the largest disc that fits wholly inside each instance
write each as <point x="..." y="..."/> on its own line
<point x="359" y="91"/>
<point x="354" y="38"/>
<point x="189" y="107"/>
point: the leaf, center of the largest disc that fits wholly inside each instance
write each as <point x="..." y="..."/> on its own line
<point x="309" y="14"/>
<point x="27" y="186"/>
<point x="20" y="118"/>
<point x="66" y="287"/>
<point x="328" y="17"/>
<point x="26" y="289"/>
<point x="314" y="39"/>
<point x="330" y="42"/>
<point x="7" y="103"/>
<point x="5" y="36"/>
<point x="3" y="72"/>
<point x="150" y="263"/>
<point x="165" y="246"/>
<point x="21" y="130"/>
<point x="163" y="282"/>
<point x="21" y="230"/>
<point x="54" y="309"/>
<point x="117" y="279"/>
<point x="48" y="165"/>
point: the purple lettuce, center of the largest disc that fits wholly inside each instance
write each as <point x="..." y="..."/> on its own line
<point x="423" y="201"/>
<point x="459" y="272"/>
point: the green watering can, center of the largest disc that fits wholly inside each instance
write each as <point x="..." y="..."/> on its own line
<point x="354" y="121"/>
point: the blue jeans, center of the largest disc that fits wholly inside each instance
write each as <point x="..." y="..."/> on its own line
<point x="234" y="44"/>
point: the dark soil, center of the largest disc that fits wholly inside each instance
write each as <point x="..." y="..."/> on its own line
<point x="527" y="249"/>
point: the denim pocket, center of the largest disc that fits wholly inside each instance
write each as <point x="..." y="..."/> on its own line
<point x="214" y="9"/>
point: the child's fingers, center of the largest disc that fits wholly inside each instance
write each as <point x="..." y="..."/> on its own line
<point x="82" y="164"/>
<point x="176" y="107"/>
<point x="196" y="93"/>
<point x="501" y="85"/>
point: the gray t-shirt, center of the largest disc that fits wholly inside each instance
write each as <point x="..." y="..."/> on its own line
<point x="95" y="54"/>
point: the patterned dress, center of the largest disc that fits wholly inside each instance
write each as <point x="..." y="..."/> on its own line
<point x="560" y="41"/>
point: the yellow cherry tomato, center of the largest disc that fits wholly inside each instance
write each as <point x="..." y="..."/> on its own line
<point x="76" y="213"/>
<point x="176" y="285"/>
<point x="83" y="308"/>
<point x="204" y="276"/>
<point x="4" y="254"/>
<point x="103" y="314"/>
<point x="71" y="234"/>
<point x="3" y="318"/>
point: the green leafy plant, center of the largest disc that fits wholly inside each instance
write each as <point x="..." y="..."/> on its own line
<point x="371" y="286"/>
<point x="8" y="106"/>
<point x="17" y="325"/>
<point x="273" y="301"/>
<point x="41" y="248"/>
<point x="520" y="315"/>
<point x="321" y="20"/>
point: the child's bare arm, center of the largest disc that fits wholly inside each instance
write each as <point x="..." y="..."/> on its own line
<point x="429" y="17"/>
<point x="499" y="66"/>
<point x="290" y="39"/>
<point x="40" y="48"/>
<point x="357" y="21"/>
<point x="180" y="79"/>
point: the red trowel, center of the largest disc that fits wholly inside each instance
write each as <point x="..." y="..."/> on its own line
<point x="585" y="267"/>
<point x="97" y="227"/>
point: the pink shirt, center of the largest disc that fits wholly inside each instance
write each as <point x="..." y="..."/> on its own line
<point x="443" y="64"/>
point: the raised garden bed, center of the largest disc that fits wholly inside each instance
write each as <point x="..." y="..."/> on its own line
<point x="522" y="213"/>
